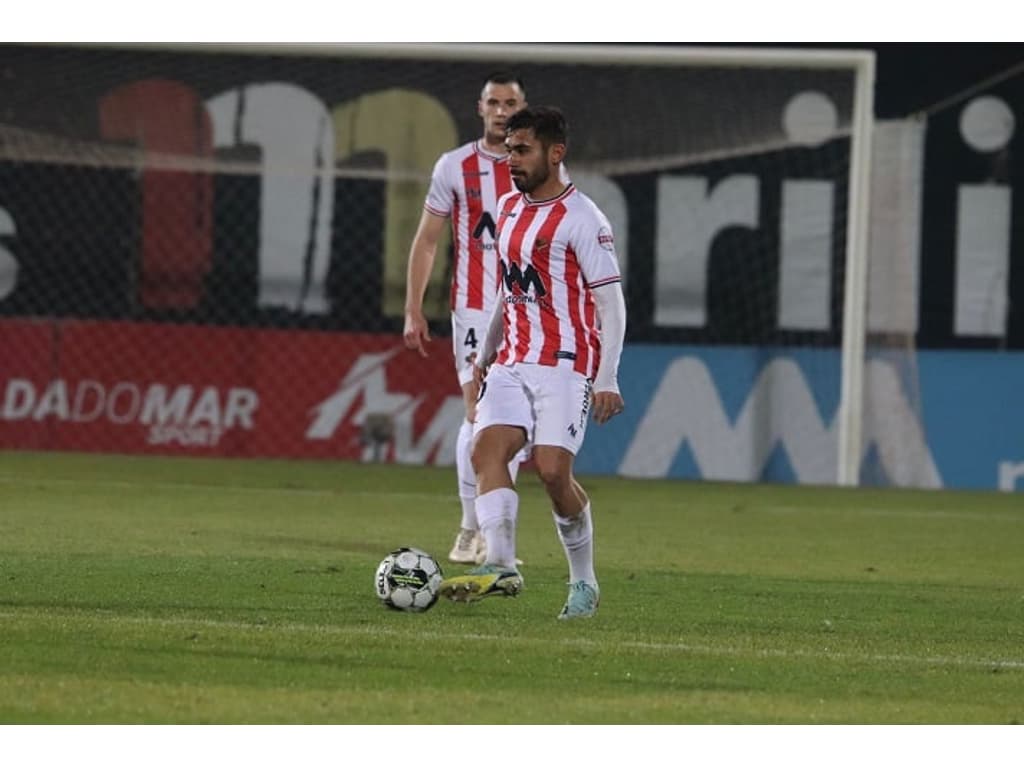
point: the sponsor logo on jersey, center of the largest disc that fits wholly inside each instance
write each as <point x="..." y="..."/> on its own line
<point x="523" y="279"/>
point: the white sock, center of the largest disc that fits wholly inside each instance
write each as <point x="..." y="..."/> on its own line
<point x="469" y="521"/>
<point x="497" y="511"/>
<point x="577" y="535"/>
<point x="466" y="475"/>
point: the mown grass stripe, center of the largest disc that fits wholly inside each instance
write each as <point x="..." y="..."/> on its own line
<point x="567" y="642"/>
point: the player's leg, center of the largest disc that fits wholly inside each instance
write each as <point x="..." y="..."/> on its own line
<point x="503" y="419"/>
<point x="561" y="426"/>
<point x="513" y="471"/>
<point x="575" y="527"/>
<point x="497" y="509"/>
<point x="468" y="543"/>
<point x="497" y="505"/>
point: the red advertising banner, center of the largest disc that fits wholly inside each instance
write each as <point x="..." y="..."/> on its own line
<point x="188" y="390"/>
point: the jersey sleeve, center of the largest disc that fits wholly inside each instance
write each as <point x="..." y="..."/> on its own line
<point x="441" y="195"/>
<point x="595" y="249"/>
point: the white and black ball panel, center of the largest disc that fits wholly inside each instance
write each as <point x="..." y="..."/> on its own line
<point x="408" y="579"/>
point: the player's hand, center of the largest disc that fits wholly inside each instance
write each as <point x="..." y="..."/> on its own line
<point x="416" y="331"/>
<point x="604" y="405"/>
<point x="479" y="371"/>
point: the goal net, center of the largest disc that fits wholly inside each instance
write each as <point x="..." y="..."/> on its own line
<point x="203" y="250"/>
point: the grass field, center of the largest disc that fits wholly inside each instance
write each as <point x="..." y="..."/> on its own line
<point x="146" y="590"/>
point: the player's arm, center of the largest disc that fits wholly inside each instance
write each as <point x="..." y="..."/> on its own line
<point x="421" y="263"/>
<point x="611" y="311"/>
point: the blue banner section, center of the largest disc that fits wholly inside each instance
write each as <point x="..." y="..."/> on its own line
<point x="973" y="405"/>
<point x="931" y="418"/>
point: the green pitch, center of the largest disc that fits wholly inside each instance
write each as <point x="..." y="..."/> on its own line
<point x="146" y="590"/>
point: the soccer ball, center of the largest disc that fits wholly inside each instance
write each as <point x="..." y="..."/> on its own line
<point x="408" y="579"/>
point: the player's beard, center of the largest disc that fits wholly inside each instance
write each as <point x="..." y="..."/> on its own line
<point x="531" y="181"/>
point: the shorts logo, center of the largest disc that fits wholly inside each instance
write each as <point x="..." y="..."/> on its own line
<point x="572" y="430"/>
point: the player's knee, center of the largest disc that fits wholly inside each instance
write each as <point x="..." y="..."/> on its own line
<point x="554" y="477"/>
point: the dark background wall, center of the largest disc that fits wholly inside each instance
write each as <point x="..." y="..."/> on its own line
<point x="910" y="77"/>
<point x="77" y="238"/>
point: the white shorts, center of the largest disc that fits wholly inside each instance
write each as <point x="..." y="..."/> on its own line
<point x="468" y="329"/>
<point x="550" y="402"/>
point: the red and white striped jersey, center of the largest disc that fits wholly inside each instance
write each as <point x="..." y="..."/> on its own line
<point x="552" y="253"/>
<point x="466" y="184"/>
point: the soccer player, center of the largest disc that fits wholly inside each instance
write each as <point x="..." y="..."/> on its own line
<point x="465" y="186"/>
<point x="557" y="333"/>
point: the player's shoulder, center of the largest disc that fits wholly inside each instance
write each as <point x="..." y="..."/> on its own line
<point x="458" y="154"/>
<point x="589" y="224"/>
<point x="583" y="207"/>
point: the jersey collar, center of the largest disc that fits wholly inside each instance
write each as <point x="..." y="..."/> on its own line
<point x="478" y="146"/>
<point x="569" y="189"/>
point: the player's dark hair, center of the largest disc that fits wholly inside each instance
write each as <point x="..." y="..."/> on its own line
<point x="505" y="77"/>
<point x="547" y="123"/>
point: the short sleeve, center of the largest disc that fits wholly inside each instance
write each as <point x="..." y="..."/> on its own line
<point x="441" y="195"/>
<point x="595" y="248"/>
